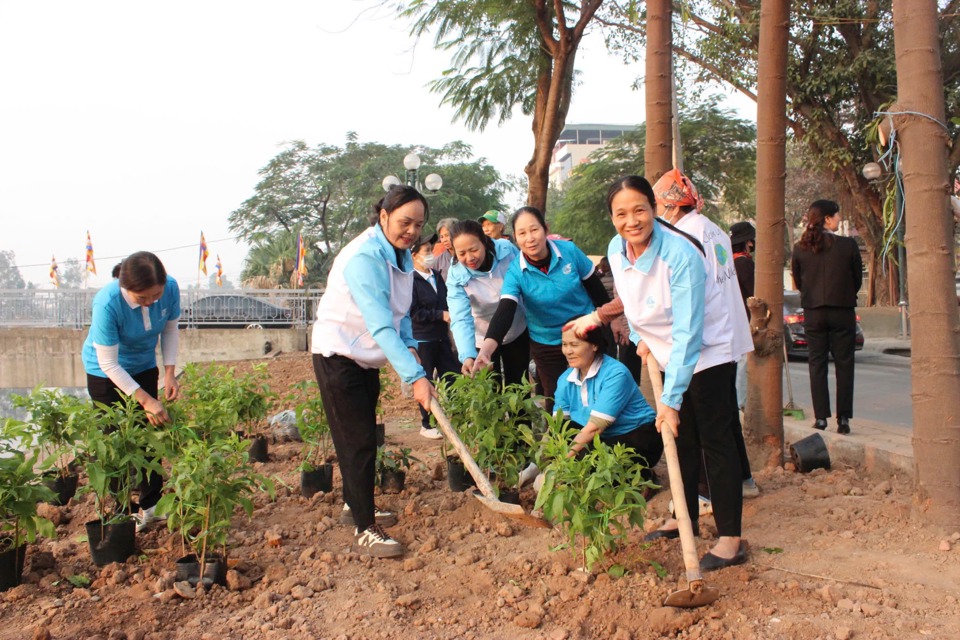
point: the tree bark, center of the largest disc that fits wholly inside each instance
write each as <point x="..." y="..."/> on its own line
<point x="658" y="90"/>
<point x="935" y="349"/>
<point x="764" y="411"/>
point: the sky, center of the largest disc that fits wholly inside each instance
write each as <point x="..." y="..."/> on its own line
<point x="146" y="123"/>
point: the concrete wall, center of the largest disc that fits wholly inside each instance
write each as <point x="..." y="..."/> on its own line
<point x="880" y="322"/>
<point x="30" y="356"/>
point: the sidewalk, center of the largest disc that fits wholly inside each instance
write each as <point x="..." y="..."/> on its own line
<point x="892" y="346"/>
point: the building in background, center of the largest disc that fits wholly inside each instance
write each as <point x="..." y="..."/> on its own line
<point x="576" y="142"/>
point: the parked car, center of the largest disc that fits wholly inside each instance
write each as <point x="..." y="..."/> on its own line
<point x="231" y="311"/>
<point x="793" y="334"/>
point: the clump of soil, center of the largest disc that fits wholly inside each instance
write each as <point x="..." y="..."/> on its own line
<point x="834" y="555"/>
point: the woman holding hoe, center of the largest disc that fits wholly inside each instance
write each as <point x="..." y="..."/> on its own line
<point x="363" y="322"/>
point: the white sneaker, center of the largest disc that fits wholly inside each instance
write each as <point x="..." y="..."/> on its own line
<point x="382" y="517"/>
<point x="528" y="475"/>
<point x="147" y="518"/>
<point x="704" y="504"/>
<point x="374" y="541"/>
<point x="430" y="434"/>
<point x="750" y="488"/>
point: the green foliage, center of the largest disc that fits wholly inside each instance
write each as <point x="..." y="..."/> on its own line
<point x="209" y="479"/>
<point x="594" y="499"/>
<point x="497" y="426"/>
<point x="395" y="459"/>
<point x="10" y="277"/>
<point x="79" y="581"/>
<point x="327" y="192"/>
<point x="311" y="423"/>
<point x="21" y="488"/>
<point x="119" y="449"/>
<point x="216" y="400"/>
<point x="719" y="153"/>
<point x="52" y="425"/>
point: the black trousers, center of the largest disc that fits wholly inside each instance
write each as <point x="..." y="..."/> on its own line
<point x="627" y="354"/>
<point x="645" y="440"/>
<point x="437" y="360"/>
<point x="104" y="391"/>
<point x="349" y="393"/>
<point x="512" y="361"/>
<point x="550" y="363"/>
<point x="705" y="431"/>
<point x="745" y="472"/>
<point x="833" y="331"/>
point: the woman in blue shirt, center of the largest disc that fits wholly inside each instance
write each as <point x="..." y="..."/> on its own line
<point x="552" y="280"/>
<point x="363" y="322"/>
<point x="598" y="394"/>
<point x="119" y="354"/>
<point x="473" y="293"/>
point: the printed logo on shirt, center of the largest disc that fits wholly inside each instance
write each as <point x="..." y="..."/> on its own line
<point x="567" y="268"/>
<point x="650" y="302"/>
<point x="722" y="256"/>
<point x="164" y="313"/>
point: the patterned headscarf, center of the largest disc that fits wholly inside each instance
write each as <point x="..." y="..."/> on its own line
<point x="674" y="189"/>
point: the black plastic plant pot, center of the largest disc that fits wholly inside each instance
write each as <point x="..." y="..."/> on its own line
<point x="381" y="432"/>
<point x="258" y="449"/>
<point x="458" y="478"/>
<point x="188" y="568"/>
<point x="320" y="479"/>
<point x="810" y="453"/>
<point x="214" y="570"/>
<point x="111" y="542"/>
<point x="511" y="496"/>
<point x="65" y="486"/>
<point x="392" y="481"/>
<point x="11" y="566"/>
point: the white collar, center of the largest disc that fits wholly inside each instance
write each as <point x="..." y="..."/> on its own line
<point x="553" y="248"/>
<point x="574" y="376"/>
<point x="128" y="298"/>
<point x="426" y="274"/>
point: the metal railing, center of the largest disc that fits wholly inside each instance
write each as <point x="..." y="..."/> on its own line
<point x="71" y="308"/>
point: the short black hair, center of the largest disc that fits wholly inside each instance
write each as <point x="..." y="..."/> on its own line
<point x="141" y="271"/>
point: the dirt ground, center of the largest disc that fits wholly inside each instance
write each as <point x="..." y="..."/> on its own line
<point x="833" y="555"/>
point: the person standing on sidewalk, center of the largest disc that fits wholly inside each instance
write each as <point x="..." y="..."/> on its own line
<point x="828" y="272"/>
<point x="431" y="323"/>
<point x="363" y="322"/>
<point x="742" y="240"/>
<point x="130" y="315"/>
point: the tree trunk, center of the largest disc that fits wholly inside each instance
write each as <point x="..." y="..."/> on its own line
<point x="764" y="412"/>
<point x="658" y="90"/>
<point x="935" y="349"/>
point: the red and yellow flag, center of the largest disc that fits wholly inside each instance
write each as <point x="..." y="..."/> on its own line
<point x="301" y="267"/>
<point x="204" y="254"/>
<point x="219" y="272"/>
<point x="91" y="265"/>
<point x="54" y="272"/>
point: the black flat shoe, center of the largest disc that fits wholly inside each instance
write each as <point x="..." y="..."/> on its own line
<point x="668" y="534"/>
<point x="843" y="425"/>
<point x="710" y="562"/>
<point x="820" y="425"/>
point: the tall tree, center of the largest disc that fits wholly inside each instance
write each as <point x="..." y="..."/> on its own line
<point x="920" y="121"/>
<point x="719" y="156"/>
<point x="71" y="273"/>
<point x="841" y="72"/>
<point x="764" y="411"/>
<point x="508" y="54"/>
<point x="658" y="89"/>
<point x="10" y="277"/>
<point x="328" y="192"/>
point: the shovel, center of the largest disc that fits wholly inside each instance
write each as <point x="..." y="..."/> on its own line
<point x="487" y="496"/>
<point x="697" y="593"/>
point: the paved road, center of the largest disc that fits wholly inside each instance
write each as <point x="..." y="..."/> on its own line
<point x="881" y="389"/>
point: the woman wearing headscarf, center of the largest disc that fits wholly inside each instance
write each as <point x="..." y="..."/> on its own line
<point x="828" y="271"/>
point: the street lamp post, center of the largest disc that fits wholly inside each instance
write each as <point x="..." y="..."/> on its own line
<point x="872" y="171"/>
<point x="411" y="165"/>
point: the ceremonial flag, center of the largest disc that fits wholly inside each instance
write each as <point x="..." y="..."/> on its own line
<point x="204" y="254"/>
<point x="54" y="272"/>
<point x="91" y="265"/>
<point x="219" y="272"/>
<point x="301" y="268"/>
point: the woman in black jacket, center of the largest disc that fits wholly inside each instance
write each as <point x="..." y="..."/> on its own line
<point x="828" y="271"/>
<point x="431" y="322"/>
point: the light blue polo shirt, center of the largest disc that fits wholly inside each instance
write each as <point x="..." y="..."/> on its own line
<point x="115" y="322"/>
<point x="552" y="298"/>
<point x="608" y="392"/>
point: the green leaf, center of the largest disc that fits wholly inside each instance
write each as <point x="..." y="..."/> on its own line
<point x="617" y="571"/>
<point x="772" y="550"/>
<point x="79" y="581"/>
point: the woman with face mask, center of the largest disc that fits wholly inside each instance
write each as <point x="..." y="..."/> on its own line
<point x="431" y="322"/>
<point x="473" y="293"/>
<point x="363" y="322"/>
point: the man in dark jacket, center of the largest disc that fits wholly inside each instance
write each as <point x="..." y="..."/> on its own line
<point x="431" y="322"/>
<point x="742" y="241"/>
